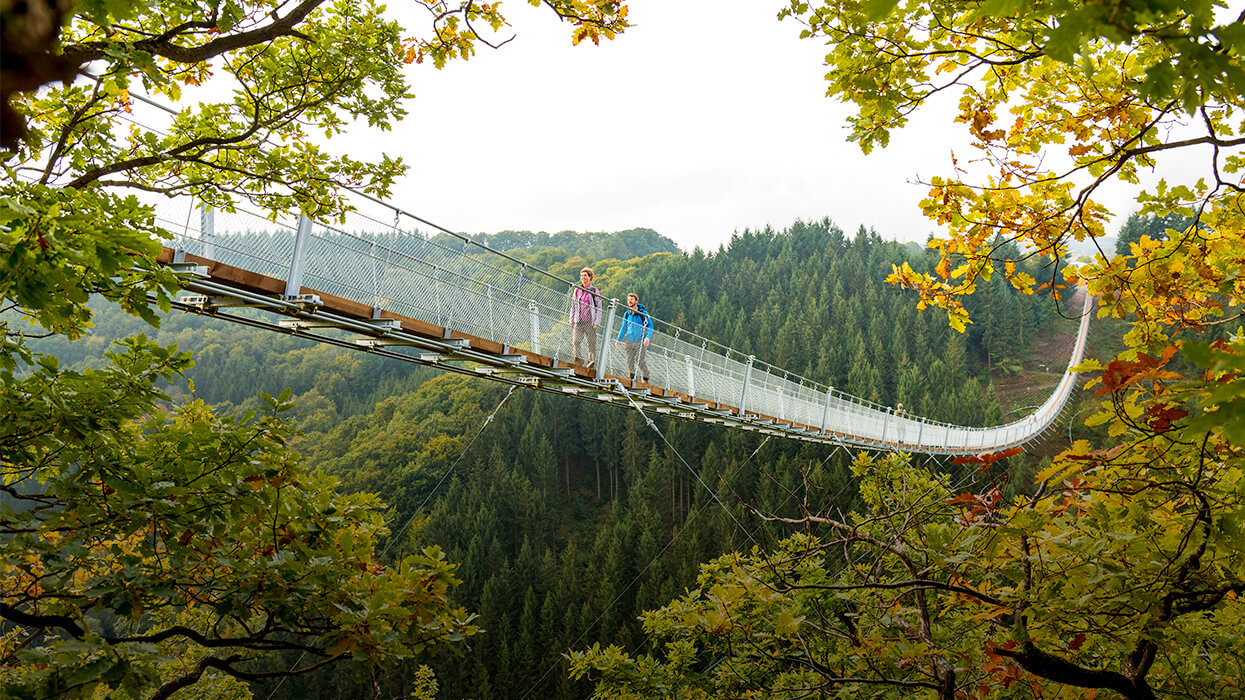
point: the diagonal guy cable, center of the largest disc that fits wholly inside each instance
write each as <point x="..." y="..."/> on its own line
<point x="665" y="548"/>
<point x="657" y="430"/>
<point x="394" y="536"/>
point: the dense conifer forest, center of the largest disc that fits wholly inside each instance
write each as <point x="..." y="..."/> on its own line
<point x="568" y="518"/>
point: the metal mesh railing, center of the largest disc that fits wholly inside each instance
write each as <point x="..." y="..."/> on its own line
<point x="378" y="256"/>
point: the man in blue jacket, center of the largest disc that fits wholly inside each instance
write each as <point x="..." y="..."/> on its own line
<point x="636" y="331"/>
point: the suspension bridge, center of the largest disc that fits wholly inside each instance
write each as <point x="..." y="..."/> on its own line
<point x="376" y="283"/>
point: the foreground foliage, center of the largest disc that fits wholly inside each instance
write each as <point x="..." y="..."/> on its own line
<point x="283" y="68"/>
<point x="932" y="591"/>
<point x="1058" y="102"/>
<point x="135" y="533"/>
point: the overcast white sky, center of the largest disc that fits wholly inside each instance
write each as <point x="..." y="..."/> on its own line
<point x="705" y="118"/>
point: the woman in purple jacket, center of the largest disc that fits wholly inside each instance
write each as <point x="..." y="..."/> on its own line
<point x="585" y="317"/>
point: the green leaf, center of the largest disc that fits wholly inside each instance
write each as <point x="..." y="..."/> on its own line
<point x="878" y="9"/>
<point x="786" y="623"/>
<point x="1000" y="8"/>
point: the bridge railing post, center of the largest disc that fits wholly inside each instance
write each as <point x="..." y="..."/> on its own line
<point x="207" y="231"/>
<point x="743" y="395"/>
<point x="606" y="340"/>
<point x="886" y="420"/>
<point x="442" y="317"/>
<point x="714" y="394"/>
<point x="570" y="328"/>
<point x="825" y="410"/>
<point x="534" y="315"/>
<point x="920" y="431"/>
<point x="294" y="282"/>
<point x="375" y="279"/>
<point x="691" y="377"/>
<point x="492" y="323"/>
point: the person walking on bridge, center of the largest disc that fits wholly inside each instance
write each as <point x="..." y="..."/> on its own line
<point x="636" y="331"/>
<point x="585" y="317"/>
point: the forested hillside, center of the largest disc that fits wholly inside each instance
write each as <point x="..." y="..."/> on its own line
<point x="568" y="518"/>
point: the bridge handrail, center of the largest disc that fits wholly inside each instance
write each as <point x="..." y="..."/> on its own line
<point x="769" y="391"/>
